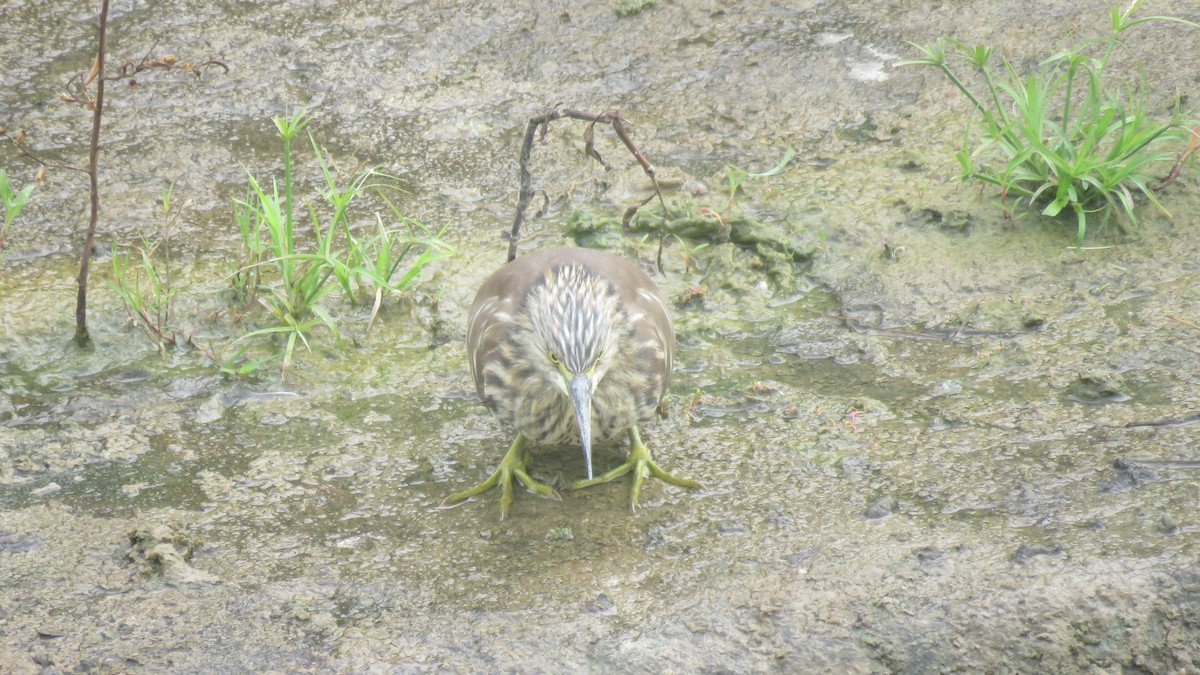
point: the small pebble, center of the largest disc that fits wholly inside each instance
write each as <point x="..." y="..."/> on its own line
<point x="925" y="554"/>
<point x="884" y="506"/>
<point x="46" y="489"/>
<point x="1026" y="552"/>
<point x="800" y="556"/>
<point x="1098" y="387"/>
<point x="1167" y="524"/>
<point x="601" y="605"/>
<point x="732" y="527"/>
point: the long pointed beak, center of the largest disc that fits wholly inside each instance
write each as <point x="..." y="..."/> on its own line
<point x="581" y="398"/>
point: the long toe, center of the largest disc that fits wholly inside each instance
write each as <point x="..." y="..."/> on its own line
<point x="512" y="466"/>
<point x="641" y="463"/>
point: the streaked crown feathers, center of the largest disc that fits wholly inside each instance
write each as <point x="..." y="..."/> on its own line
<point x="576" y="313"/>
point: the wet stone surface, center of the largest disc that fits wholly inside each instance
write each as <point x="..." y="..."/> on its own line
<point x="929" y="438"/>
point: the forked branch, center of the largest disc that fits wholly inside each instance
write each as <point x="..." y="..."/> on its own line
<point x="611" y="117"/>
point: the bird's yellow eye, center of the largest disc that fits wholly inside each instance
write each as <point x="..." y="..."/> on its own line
<point x="553" y="358"/>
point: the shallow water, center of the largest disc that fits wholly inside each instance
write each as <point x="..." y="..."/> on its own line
<point x="904" y="467"/>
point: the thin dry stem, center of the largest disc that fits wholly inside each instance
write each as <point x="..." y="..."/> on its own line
<point x="611" y="117"/>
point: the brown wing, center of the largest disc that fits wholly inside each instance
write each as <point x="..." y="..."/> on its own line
<point x="641" y="297"/>
<point x="497" y="303"/>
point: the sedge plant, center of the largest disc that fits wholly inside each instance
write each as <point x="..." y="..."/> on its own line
<point x="144" y="284"/>
<point x="1063" y="139"/>
<point x="289" y="272"/>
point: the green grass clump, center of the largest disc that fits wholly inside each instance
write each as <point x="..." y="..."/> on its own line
<point x="14" y="203"/>
<point x="1067" y="140"/>
<point x="288" y="272"/>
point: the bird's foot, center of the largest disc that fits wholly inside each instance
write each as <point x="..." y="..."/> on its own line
<point x="513" y="465"/>
<point x="642" y="464"/>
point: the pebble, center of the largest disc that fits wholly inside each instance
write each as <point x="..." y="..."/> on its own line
<point x="46" y="489"/>
<point x="884" y="506"/>
<point x="601" y="605"/>
<point x="1167" y="524"/>
<point x="1026" y="552"/>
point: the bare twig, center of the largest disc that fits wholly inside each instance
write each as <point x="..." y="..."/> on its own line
<point x="935" y="333"/>
<point x="76" y="86"/>
<point x="1185" y="322"/>
<point x="76" y="91"/>
<point x="1184" y="156"/>
<point x="612" y="117"/>
<point x="1167" y="422"/>
<point x="85" y="258"/>
<point x="19" y="143"/>
<point x="154" y="329"/>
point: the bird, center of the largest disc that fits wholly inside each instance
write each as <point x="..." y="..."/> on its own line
<point x="570" y="346"/>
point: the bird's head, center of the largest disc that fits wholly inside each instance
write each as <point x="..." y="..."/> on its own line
<point x="575" y="318"/>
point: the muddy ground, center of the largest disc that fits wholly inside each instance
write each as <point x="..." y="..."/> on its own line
<point x="933" y="440"/>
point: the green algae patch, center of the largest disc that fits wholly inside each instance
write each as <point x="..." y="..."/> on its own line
<point x="776" y="248"/>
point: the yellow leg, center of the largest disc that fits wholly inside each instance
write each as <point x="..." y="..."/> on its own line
<point x="642" y="464"/>
<point x="512" y="465"/>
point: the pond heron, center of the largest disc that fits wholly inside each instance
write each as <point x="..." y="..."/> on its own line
<point x="570" y="345"/>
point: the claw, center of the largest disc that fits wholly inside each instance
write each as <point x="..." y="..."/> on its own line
<point x="642" y="464"/>
<point x="513" y="465"/>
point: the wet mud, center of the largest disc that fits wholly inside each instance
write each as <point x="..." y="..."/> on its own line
<point x="930" y="438"/>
